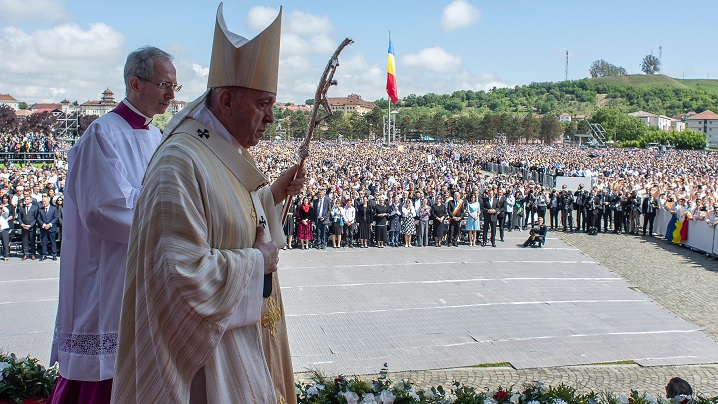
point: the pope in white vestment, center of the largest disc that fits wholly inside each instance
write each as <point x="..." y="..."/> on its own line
<point x="194" y="283"/>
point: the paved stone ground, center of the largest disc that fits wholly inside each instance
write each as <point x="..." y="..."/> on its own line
<point x="683" y="281"/>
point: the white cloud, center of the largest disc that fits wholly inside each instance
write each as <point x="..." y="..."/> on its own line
<point x="32" y="10"/>
<point x="259" y="17"/>
<point x="43" y="65"/>
<point x="459" y="14"/>
<point x="299" y="22"/>
<point x="200" y="71"/>
<point x="435" y="59"/>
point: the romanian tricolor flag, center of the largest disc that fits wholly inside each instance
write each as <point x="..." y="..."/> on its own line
<point x="391" y="76"/>
<point x="677" y="231"/>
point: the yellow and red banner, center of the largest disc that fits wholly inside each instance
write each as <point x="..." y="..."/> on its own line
<point x="391" y="76"/>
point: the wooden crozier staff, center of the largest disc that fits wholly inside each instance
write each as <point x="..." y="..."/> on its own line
<point x="320" y="99"/>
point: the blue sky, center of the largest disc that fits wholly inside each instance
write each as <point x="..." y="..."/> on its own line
<point x="56" y="49"/>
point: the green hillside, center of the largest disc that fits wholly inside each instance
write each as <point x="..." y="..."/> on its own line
<point x="701" y="84"/>
<point x="660" y="81"/>
<point x="656" y="94"/>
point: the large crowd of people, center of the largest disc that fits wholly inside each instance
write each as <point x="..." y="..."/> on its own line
<point x="358" y="181"/>
<point x="427" y="194"/>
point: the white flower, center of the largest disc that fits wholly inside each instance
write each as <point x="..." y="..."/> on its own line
<point x="414" y="395"/>
<point x="350" y="396"/>
<point x="533" y="402"/>
<point x="681" y="398"/>
<point x="369" y="399"/>
<point x="665" y="400"/>
<point x="428" y="394"/>
<point x="313" y="391"/>
<point x="387" y="397"/>
<point x="623" y="399"/>
<point x="558" y="401"/>
<point x="515" y="398"/>
<point x="490" y="400"/>
<point x="650" y="399"/>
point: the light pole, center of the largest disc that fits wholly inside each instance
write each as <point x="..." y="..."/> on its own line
<point x="393" y="125"/>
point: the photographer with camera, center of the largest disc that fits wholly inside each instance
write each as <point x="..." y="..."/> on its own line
<point x="635" y="215"/>
<point x="537" y="234"/>
<point x="567" y="217"/>
<point x="553" y="208"/>
<point x="578" y="206"/>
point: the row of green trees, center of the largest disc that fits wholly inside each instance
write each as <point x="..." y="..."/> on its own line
<point x="438" y="124"/>
<point x="631" y="131"/>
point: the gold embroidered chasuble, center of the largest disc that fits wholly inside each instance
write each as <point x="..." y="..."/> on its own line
<point x="189" y="263"/>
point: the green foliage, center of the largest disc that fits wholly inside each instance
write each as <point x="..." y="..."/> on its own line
<point x="688" y="139"/>
<point x="618" y="125"/>
<point x="161" y="121"/>
<point x="341" y="389"/>
<point x="601" y="68"/>
<point x="22" y="378"/>
<point x="526" y="113"/>
<point x="650" y="64"/>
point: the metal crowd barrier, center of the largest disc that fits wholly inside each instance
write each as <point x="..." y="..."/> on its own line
<point x="701" y="235"/>
<point x="37" y="157"/>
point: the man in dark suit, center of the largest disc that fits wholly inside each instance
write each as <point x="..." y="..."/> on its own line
<point x="27" y="217"/>
<point x="578" y="199"/>
<point x="321" y="207"/>
<point x="501" y="214"/>
<point x="648" y="208"/>
<point x="47" y="219"/>
<point x="490" y="212"/>
<point x="568" y="204"/>
<point x="456" y="208"/>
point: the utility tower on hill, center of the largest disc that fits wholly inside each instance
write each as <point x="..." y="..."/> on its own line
<point x="566" y="65"/>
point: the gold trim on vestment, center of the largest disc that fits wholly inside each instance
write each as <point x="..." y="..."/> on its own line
<point x="271" y="316"/>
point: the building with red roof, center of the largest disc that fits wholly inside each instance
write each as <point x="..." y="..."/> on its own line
<point x="10" y="101"/>
<point x="705" y="122"/>
<point x="352" y="103"/>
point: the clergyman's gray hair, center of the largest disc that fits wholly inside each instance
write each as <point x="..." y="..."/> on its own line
<point x="140" y="64"/>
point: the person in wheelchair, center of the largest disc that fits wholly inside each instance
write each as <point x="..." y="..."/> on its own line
<point x="537" y="234"/>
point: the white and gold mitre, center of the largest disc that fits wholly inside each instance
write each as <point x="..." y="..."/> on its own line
<point x="238" y="61"/>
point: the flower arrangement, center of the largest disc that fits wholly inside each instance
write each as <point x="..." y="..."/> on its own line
<point x="23" y="378"/>
<point x="353" y="390"/>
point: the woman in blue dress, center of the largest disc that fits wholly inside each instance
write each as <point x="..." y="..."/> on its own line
<point x="473" y="210"/>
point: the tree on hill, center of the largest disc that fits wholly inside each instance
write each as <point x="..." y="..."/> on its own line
<point x="601" y="68"/>
<point x="651" y="65"/>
